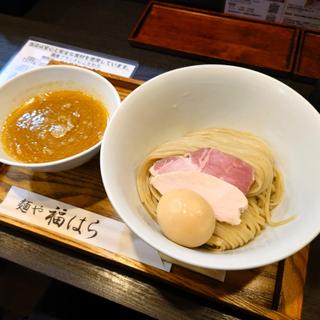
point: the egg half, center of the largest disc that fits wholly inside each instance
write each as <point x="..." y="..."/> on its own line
<point x="185" y="218"/>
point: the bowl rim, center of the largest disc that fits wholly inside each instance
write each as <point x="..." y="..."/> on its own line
<point x="59" y="162"/>
<point x="111" y="191"/>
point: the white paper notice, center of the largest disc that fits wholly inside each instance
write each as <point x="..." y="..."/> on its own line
<point x="79" y="224"/>
<point x="36" y="54"/>
<point x="268" y="10"/>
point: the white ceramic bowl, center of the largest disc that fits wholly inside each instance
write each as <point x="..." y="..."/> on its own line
<point x="187" y="99"/>
<point x="51" y="78"/>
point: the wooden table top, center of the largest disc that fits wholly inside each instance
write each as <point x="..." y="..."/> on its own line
<point x="107" y="29"/>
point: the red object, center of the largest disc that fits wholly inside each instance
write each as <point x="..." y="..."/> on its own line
<point x="211" y="35"/>
<point x="308" y="61"/>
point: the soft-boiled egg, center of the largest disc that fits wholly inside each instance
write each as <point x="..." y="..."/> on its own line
<point x="185" y="218"/>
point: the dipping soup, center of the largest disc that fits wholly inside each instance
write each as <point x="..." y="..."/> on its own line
<point x="53" y="126"/>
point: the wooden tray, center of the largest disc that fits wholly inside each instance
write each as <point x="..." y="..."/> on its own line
<point x="308" y="61"/>
<point x="212" y="35"/>
<point x="272" y="292"/>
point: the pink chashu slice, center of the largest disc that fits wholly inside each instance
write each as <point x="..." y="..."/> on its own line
<point x="212" y="162"/>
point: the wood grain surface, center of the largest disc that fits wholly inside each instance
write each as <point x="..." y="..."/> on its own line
<point x="135" y="291"/>
<point x="291" y="299"/>
<point x="262" y="291"/>
<point x="308" y="60"/>
<point x="216" y="36"/>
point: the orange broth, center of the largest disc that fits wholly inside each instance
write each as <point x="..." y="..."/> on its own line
<point x="53" y="126"/>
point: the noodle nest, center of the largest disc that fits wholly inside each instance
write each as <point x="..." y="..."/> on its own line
<point x="263" y="196"/>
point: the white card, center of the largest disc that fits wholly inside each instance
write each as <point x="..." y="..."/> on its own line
<point x="36" y="54"/>
<point x="79" y="224"/>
